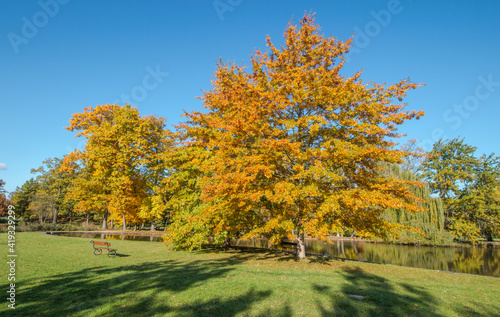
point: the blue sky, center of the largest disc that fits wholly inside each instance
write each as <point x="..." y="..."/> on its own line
<point x="59" y="56"/>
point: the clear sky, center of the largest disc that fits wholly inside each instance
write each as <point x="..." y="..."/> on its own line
<point x="59" y="56"/>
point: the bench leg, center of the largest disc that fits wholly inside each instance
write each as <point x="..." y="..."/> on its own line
<point x="112" y="254"/>
<point x="97" y="251"/>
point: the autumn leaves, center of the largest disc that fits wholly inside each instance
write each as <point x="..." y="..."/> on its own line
<point x="118" y="171"/>
<point x="287" y="145"/>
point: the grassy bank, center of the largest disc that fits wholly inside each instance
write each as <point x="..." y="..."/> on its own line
<point x="59" y="276"/>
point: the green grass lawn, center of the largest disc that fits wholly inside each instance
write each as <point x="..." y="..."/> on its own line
<point x="60" y="276"/>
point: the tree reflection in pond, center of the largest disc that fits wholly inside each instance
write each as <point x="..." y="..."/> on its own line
<point x="481" y="260"/>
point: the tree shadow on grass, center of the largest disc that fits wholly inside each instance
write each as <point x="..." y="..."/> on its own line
<point x="281" y="255"/>
<point x="483" y="311"/>
<point x="258" y="254"/>
<point x="365" y="294"/>
<point x="145" y="289"/>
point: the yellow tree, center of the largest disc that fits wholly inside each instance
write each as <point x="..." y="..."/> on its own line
<point x="155" y="206"/>
<point x="84" y="193"/>
<point x="295" y="146"/>
<point x="120" y="144"/>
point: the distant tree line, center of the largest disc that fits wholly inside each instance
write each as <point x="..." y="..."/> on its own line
<point x="4" y="200"/>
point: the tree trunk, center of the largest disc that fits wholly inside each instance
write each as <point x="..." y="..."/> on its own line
<point x="88" y="216"/>
<point x="227" y="241"/>
<point x="105" y="220"/>
<point x="165" y="228"/>
<point x="56" y="209"/>
<point x="112" y="225"/>
<point x="124" y="222"/>
<point x="135" y="227"/>
<point x="54" y="217"/>
<point x="489" y="236"/>
<point x="301" y="244"/>
<point x="152" y="226"/>
<point x="142" y="226"/>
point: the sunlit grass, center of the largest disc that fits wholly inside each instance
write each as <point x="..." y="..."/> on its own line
<point x="60" y="276"/>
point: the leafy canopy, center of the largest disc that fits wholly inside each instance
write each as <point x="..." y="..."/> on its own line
<point x="291" y="144"/>
<point x="121" y="146"/>
<point x="468" y="186"/>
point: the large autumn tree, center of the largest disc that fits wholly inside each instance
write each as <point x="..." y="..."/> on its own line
<point x="294" y="146"/>
<point x="113" y="168"/>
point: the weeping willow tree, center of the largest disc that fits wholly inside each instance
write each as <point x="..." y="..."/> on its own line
<point x="430" y="221"/>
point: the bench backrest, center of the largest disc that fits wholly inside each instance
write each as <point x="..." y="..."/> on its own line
<point x="106" y="244"/>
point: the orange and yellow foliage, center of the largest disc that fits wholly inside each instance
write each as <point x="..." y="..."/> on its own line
<point x="290" y="144"/>
<point x="114" y="167"/>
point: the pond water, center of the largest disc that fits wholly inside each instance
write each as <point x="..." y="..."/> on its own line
<point x="480" y="260"/>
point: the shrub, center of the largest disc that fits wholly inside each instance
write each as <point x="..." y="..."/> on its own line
<point x="89" y="226"/>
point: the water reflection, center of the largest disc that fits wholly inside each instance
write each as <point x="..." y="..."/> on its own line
<point x="481" y="260"/>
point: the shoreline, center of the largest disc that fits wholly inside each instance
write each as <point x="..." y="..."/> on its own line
<point x="136" y="233"/>
<point x="332" y="238"/>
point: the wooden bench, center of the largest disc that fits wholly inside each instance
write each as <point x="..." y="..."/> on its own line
<point x="288" y="243"/>
<point x="99" y="246"/>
